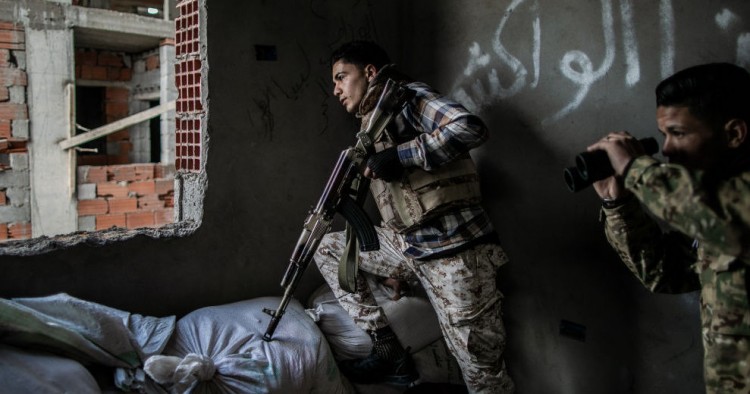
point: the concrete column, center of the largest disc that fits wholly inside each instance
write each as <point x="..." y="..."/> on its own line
<point x="50" y="60"/>
<point x="167" y="93"/>
<point x="139" y="134"/>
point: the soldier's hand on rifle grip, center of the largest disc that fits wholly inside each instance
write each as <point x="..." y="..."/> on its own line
<point x="384" y="165"/>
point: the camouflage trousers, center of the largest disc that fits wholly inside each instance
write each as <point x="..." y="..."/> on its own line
<point x="726" y="363"/>
<point x="461" y="289"/>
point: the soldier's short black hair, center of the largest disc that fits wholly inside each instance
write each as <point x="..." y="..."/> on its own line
<point x="361" y="53"/>
<point x="714" y="92"/>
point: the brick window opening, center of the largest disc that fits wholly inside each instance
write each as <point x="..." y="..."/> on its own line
<point x="125" y="180"/>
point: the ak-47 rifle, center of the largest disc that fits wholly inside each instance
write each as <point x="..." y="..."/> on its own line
<point x="344" y="193"/>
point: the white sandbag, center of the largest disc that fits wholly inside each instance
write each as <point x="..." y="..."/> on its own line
<point x="220" y="349"/>
<point x="412" y="318"/>
<point x="91" y="331"/>
<point x="24" y="372"/>
<point x="436" y="364"/>
<point x="87" y="332"/>
<point x="347" y="341"/>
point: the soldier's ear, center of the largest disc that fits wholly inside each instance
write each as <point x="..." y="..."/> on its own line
<point x="736" y="132"/>
<point x="370" y="72"/>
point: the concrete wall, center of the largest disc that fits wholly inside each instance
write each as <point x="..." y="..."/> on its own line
<point x="547" y="77"/>
<point x="550" y="78"/>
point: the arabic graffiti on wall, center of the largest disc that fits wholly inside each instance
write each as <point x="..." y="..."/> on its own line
<point x="480" y="85"/>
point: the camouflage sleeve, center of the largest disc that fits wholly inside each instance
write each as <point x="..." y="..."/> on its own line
<point x="663" y="262"/>
<point x="717" y="215"/>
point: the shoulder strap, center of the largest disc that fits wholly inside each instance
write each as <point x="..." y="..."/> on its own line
<point x="391" y="101"/>
<point x="348" y="264"/>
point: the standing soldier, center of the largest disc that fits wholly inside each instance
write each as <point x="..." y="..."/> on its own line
<point x="427" y="191"/>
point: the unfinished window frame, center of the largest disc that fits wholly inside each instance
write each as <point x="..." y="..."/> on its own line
<point x="190" y="179"/>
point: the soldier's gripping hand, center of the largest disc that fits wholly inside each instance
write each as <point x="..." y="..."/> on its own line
<point x="622" y="148"/>
<point x="384" y="165"/>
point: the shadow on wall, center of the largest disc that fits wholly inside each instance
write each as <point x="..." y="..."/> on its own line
<point x="561" y="270"/>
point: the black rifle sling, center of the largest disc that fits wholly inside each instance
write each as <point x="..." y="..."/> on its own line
<point x="391" y="99"/>
<point x="348" y="263"/>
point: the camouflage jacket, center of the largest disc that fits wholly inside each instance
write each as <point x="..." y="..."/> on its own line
<point x="705" y="245"/>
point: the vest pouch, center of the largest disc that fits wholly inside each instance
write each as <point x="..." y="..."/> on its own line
<point x="422" y="195"/>
<point x="454" y="184"/>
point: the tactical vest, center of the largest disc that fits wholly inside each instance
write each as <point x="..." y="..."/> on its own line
<point x="419" y="195"/>
<point x="423" y="195"/>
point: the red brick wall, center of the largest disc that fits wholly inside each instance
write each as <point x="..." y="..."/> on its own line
<point x="108" y="66"/>
<point x="115" y="108"/>
<point x="12" y="42"/>
<point x="102" y="66"/>
<point x="129" y="196"/>
<point x="188" y="72"/>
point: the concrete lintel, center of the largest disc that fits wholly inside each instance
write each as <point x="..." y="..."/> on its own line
<point x="119" y="22"/>
<point x="94" y="27"/>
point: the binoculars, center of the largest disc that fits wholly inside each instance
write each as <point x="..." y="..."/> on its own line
<point x="594" y="166"/>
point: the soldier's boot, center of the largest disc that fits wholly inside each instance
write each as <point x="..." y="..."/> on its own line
<point x="388" y="362"/>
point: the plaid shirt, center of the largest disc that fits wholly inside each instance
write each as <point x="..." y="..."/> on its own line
<point x="445" y="130"/>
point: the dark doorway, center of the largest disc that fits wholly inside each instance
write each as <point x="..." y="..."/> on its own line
<point x="155" y="135"/>
<point x="90" y="114"/>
